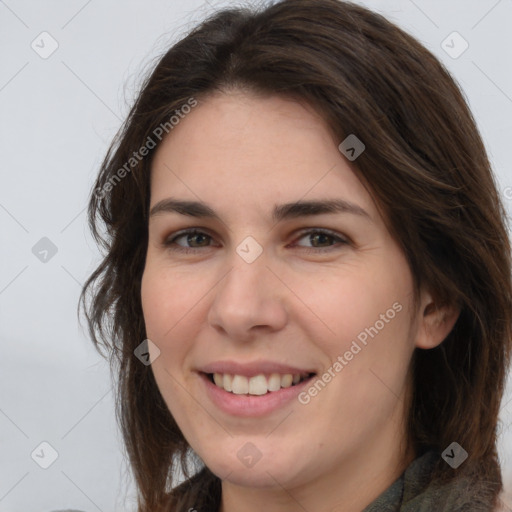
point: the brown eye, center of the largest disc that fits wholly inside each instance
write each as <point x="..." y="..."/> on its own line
<point x="322" y="238"/>
<point x="195" y="238"/>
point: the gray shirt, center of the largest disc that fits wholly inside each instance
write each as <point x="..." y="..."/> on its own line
<point x="412" y="493"/>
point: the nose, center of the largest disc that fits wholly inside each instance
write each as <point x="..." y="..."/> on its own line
<point x="248" y="301"/>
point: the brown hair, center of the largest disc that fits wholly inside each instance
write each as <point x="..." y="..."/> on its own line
<point x="425" y="164"/>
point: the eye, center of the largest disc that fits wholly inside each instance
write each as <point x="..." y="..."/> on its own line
<point x="322" y="237"/>
<point x="200" y="240"/>
<point x="189" y="235"/>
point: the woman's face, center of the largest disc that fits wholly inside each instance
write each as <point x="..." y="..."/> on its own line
<point x="270" y="289"/>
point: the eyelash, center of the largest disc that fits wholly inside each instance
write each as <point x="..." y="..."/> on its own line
<point x="172" y="246"/>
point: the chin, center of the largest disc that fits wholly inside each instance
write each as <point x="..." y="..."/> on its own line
<point x="258" y="478"/>
<point x="265" y="473"/>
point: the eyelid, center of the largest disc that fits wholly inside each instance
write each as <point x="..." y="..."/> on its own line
<point x="338" y="237"/>
<point x="325" y="231"/>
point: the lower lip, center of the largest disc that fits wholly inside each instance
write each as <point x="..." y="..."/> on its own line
<point x="251" y="405"/>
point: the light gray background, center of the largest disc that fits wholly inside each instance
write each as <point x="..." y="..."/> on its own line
<point x="57" y="117"/>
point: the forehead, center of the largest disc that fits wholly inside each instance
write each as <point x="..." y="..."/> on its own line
<point x="247" y="150"/>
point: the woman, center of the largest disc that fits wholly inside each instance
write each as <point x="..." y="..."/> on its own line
<point x="364" y="373"/>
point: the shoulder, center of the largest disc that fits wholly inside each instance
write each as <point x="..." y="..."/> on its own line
<point x="466" y="492"/>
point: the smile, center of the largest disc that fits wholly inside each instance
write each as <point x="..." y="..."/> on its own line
<point x="257" y="385"/>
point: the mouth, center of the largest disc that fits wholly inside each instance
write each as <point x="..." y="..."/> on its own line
<point x="258" y="385"/>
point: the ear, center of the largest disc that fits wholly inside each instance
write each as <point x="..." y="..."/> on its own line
<point x="435" y="322"/>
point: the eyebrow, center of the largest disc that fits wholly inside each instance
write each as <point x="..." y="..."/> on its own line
<point x="280" y="212"/>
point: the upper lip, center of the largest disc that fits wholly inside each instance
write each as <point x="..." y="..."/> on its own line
<point x="253" y="369"/>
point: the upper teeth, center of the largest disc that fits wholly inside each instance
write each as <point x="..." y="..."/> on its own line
<point x="257" y="385"/>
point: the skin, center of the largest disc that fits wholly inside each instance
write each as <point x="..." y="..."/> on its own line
<point x="242" y="154"/>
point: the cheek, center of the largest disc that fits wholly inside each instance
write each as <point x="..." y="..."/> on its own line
<point x="152" y="295"/>
<point x="166" y="298"/>
<point x="174" y="312"/>
<point x="164" y="303"/>
<point x="345" y="304"/>
<point x="368" y="316"/>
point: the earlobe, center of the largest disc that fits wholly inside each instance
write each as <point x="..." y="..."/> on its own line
<point x="435" y="322"/>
